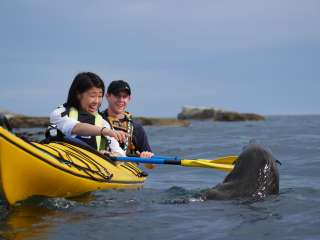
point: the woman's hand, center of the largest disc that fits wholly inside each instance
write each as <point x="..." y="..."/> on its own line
<point x="120" y="136"/>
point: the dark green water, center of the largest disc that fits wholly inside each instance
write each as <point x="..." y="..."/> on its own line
<point x="167" y="207"/>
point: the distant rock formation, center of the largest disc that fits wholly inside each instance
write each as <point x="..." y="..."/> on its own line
<point x="210" y="113"/>
<point x="8" y="114"/>
<point x="28" y="122"/>
<point x="22" y="121"/>
<point x="197" y="113"/>
<point x="147" y="121"/>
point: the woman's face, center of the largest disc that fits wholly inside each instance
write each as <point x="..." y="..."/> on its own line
<point x="91" y="99"/>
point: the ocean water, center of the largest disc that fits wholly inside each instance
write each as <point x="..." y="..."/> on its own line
<point x="168" y="207"/>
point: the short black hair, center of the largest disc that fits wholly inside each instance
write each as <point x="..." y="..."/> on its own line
<point x="117" y="86"/>
<point x="81" y="83"/>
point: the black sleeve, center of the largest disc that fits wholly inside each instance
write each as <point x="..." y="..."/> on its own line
<point x="140" y="138"/>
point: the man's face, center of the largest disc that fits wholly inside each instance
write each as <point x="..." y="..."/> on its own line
<point x="118" y="103"/>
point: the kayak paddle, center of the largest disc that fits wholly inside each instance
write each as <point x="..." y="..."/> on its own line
<point x="222" y="163"/>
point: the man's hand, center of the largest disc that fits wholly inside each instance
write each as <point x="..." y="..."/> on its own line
<point x="147" y="154"/>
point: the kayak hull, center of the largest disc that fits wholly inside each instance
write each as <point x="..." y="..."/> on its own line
<point x="58" y="169"/>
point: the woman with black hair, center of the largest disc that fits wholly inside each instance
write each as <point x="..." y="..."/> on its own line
<point x="79" y="117"/>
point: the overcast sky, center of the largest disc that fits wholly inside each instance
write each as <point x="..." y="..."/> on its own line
<point x="258" y="56"/>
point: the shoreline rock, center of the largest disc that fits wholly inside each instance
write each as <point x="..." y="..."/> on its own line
<point x="152" y="121"/>
<point x="187" y="113"/>
<point x="23" y="121"/>
<point x="215" y="114"/>
<point x="8" y="114"/>
<point x="28" y="122"/>
<point x="34" y="122"/>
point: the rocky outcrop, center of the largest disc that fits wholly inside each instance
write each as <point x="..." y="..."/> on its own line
<point x="210" y="113"/>
<point x="162" y="121"/>
<point x="8" y="114"/>
<point x="197" y="113"/>
<point x="22" y="121"/>
<point x="32" y="122"/>
<point x="28" y="122"/>
<point x="235" y="116"/>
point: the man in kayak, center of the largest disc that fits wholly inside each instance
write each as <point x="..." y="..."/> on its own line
<point x="79" y="117"/>
<point x="136" y="142"/>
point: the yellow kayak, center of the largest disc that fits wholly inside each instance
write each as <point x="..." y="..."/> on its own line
<point x="58" y="169"/>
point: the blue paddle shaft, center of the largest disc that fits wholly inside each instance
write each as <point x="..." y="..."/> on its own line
<point x="167" y="157"/>
<point x="153" y="160"/>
